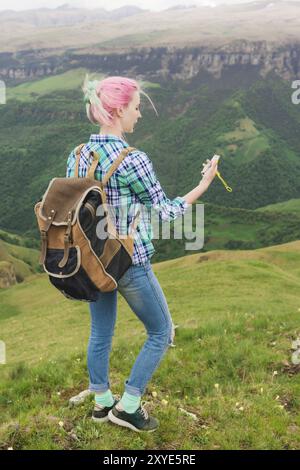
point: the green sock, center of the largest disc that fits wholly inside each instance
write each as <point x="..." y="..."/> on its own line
<point x="129" y="403"/>
<point x="104" y="399"/>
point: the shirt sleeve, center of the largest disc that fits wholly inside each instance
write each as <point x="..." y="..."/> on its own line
<point x="71" y="165"/>
<point x="142" y="180"/>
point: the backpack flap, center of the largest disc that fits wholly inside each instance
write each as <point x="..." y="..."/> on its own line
<point x="63" y="195"/>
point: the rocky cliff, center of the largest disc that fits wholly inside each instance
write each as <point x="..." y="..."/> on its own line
<point x="161" y="63"/>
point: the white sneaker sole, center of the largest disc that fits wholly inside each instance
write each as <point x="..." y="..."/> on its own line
<point x="125" y="424"/>
<point x="100" y="420"/>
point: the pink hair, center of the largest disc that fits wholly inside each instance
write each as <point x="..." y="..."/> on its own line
<point x="104" y="96"/>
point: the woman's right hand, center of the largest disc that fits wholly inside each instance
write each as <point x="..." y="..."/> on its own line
<point x="211" y="172"/>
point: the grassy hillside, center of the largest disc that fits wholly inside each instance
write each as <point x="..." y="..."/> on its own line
<point x="23" y="259"/>
<point x="293" y="205"/>
<point x="66" y="81"/>
<point x="259" y="156"/>
<point x="224" y="228"/>
<point x="70" y="80"/>
<point x="19" y="240"/>
<point x="233" y="228"/>
<point x="237" y="314"/>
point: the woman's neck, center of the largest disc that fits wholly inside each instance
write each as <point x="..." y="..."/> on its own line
<point x="111" y="131"/>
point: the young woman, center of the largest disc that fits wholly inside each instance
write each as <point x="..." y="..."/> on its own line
<point x="114" y="104"/>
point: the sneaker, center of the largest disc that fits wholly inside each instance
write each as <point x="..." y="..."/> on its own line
<point x="100" y="413"/>
<point x="138" y="421"/>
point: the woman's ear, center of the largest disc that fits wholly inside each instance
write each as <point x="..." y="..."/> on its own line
<point x="120" y="112"/>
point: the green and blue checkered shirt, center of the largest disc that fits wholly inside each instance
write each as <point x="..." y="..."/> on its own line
<point x="133" y="184"/>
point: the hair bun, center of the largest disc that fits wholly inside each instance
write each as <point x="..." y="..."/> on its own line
<point x="89" y="89"/>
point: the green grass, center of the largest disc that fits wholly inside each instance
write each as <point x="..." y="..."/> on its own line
<point x="70" y="80"/>
<point x="237" y="312"/>
<point x="23" y="259"/>
<point x="245" y="129"/>
<point x="64" y="81"/>
<point x="245" y="143"/>
<point x="37" y="139"/>
<point x="292" y="205"/>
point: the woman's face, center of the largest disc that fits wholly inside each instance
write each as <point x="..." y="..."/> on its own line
<point x="131" y="113"/>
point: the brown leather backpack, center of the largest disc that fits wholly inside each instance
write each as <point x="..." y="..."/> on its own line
<point x="78" y="262"/>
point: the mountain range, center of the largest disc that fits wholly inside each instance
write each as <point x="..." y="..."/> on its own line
<point x="129" y="27"/>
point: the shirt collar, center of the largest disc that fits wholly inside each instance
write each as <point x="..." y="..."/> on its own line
<point x="107" y="138"/>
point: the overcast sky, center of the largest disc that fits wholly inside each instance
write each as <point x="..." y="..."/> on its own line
<point x="107" y="4"/>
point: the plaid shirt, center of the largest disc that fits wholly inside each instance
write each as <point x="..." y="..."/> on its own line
<point x="134" y="184"/>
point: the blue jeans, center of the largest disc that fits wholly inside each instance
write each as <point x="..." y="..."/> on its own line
<point x="141" y="290"/>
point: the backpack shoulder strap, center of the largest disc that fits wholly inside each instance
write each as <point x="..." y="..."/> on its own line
<point x="92" y="167"/>
<point x="116" y="163"/>
<point x="77" y="153"/>
<point x="95" y="155"/>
